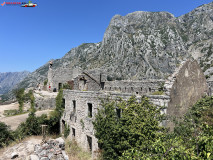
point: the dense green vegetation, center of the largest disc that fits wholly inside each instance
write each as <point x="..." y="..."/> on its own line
<point x="6" y="135"/>
<point x="32" y="126"/>
<point x="130" y="130"/>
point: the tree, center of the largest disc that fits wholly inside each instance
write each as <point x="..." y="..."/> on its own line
<point x="55" y="116"/>
<point x="125" y="125"/>
<point x="196" y="129"/>
<point x="31" y="126"/>
<point x="19" y="93"/>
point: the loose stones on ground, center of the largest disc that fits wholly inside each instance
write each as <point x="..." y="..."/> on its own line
<point x="52" y="149"/>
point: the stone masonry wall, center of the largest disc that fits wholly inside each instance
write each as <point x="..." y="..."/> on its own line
<point x="44" y="100"/>
<point x="61" y="75"/>
<point x="185" y="87"/>
<point x="85" y="82"/>
<point x="136" y="87"/>
<point x="78" y="117"/>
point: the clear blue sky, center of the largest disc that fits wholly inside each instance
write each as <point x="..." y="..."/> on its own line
<point x="30" y="37"/>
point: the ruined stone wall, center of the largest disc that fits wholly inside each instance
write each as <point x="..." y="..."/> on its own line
<point x="185" y="87"/>
<point x="78" y="118"/>
<point x="86" y="83"/>
<point x="135" y="87"/>
<point x="44" y="100"/>
<point x="61" y="75"/>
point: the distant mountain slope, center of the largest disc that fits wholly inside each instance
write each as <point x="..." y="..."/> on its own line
<point x="9" y="79"/>
<point x="142" y="45"/>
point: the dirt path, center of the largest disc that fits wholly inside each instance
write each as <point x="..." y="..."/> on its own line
<point x="14" y="121"/>
<point x="7" y="107"/>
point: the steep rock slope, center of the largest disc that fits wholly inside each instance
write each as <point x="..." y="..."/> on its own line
<point x="9" y="79"/>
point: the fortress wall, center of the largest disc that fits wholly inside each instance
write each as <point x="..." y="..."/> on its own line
<point x="61" y="75"/>
<point x="45" y="101"/>
<point x="185" y="87"/>
<point x="78" y="117"/>
<point x="85" y="83"/>
<point x="136" y="87"/>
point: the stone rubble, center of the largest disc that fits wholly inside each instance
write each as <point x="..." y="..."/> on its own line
<point x="53" y="149"/>
<point x="34" y="149"/>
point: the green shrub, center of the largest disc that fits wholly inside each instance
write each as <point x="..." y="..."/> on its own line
<point x="137" y="127"/>
<point x="67" y="86"/>
<point x="66" y="130"/>
<point x="45" y="82"/>
<point x="13" y="112"/>
<point x="6" y="135"/>
<point x="109" y="78"/>
<point x="158" y="93"/>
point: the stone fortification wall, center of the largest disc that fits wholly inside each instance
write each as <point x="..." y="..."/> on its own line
<point x="44" y="100"/>
<point x="185" y="87"/>
<point x="61" y="75"/>
<point x="135" y="87"/>
<point x="76" y="116"/>
<point x="80" y="110"/>
<point x="85" y="82"/>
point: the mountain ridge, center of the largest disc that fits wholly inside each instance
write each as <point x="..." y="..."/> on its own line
<point x="9" y="79"/>
<point x="142" y="45"/>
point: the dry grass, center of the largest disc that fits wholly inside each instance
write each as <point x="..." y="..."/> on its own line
<point x="75" y="152"/>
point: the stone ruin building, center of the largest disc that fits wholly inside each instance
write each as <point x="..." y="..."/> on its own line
<point x="181" y="90"/>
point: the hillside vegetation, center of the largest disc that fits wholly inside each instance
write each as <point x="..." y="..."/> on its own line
<point x="135" y="132"/>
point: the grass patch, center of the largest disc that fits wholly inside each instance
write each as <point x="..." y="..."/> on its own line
<point x="13" y="112"/>
<point x="75" y="152"/>
<point x="158" y="93"/>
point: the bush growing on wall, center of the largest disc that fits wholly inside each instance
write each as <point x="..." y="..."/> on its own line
<point x="137" y="126"/>
<point x="66" y="130"/>
<point x="137" y="134"/>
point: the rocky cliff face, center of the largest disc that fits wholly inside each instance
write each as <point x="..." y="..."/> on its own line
<point x="143" y="45"/>
<point x="9" y="79"/>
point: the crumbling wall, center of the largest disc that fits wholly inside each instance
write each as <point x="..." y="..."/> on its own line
<point x="61" y="75"/>
<point x="185" y="87"/>
<point x="135" y="87"/>
<point x="85" y="82"/>
<point x="77" y="116"/>
<point x="44" y="100"/>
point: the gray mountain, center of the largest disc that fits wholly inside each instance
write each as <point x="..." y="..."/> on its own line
<point x="142" y="45"/>
<point x="9" y="79"/>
